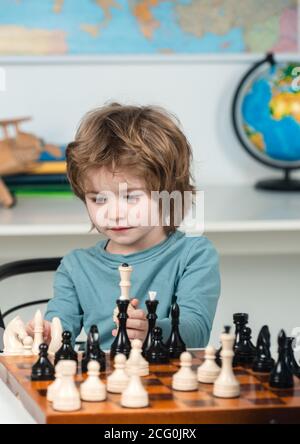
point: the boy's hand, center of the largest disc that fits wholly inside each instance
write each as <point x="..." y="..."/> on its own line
<point x="46" y="333"/>
<point x="137" y="323"/>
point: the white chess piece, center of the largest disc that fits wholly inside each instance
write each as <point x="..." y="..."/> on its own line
<point x="209" y="370"/>
<point x="135" y="395"/>
<point x="226" y="385"/>
<point x="54" y="387"/>
<point x="125" y="284"/>
<point x="13" y="337"/>
<point x="67" y="397"/>
<point x="136" y="351"/>
<point x="93" y="389"/>
<point x="56" y="336"/>
<point x="185" y="379"/>
<point x="38" y="332"/>
<point x="152" y="295"/>
<point x="118" y="380"/>
<point x="27" y="349"/>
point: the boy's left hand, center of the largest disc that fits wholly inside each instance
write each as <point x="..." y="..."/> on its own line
<point x="137" y="323"/>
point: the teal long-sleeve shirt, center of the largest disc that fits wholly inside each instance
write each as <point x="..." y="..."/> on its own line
<point x="86" y="286"/>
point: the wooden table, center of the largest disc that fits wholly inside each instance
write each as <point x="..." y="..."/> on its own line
<point x="257" y="403"/>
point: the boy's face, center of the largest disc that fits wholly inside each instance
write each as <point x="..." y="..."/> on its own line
<point x="120" y="200"/>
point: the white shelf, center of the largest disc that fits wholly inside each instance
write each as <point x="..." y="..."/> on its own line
<point x="228" y="209"/>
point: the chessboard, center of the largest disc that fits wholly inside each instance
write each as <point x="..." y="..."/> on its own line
<point x="258" y="403"/>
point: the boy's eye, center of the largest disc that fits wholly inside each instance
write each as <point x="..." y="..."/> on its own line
<point x="132" y="197"/>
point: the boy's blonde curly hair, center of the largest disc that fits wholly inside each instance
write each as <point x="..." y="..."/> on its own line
<point x="146" y="139"/>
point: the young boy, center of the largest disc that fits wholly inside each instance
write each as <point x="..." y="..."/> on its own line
<point x="120" y="155"/>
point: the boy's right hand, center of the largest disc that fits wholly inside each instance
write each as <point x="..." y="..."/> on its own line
<point x="46" y="333"/>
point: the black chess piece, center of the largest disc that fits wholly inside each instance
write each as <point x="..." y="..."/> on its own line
<point x="151" y="316"/>
<point x="245" y="352"/>
<point x="263" y="361"/>
<point x="291" y="357"/>
<point x="218" y="358"/>
<point x="42" y="370"/>
<point x="93" y="350"/>
<point x="281" y="376"/>
<point x="121" y="343"/>
<point x="66" y="351"/>
<point x="157" y="352"/>
<point x="175" y="344"/>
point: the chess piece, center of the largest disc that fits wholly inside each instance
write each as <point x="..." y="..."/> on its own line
<point x="125" y="284"/>
<point x="54" y="387"/>
<point x="56" y="335"/>
<point x="208" y="372"/>
<point x="66" y="351"/>
<point x="136" y="351"/>
<point x="281" y="376"/>
<point x="135" y="395"/>
<point x="93" y="389"/>
<point x="185" y="379"/>
<point x="67" y="398"/>
<point x="291" y="357"/>
<point x="42" y="370"/>
<point x="157" y="352"/>
<point x="27" y="349"/>
<point x="151" y="304"/>
<point x="93" y="350"/>
<point x="118" y="380"/>
<point x="218" y="352"/>
<point x="121" y="343"/>
<point x="13" y="337"/>
<point x="263" y="361"/>
<point x="244" y="352"/>
<point x="175" y="344"/>
<point x="226" y="385"/>
<point x="38" y="332"/>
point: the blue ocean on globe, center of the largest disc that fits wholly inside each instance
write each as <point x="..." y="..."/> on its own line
<point x="271" y="115"/>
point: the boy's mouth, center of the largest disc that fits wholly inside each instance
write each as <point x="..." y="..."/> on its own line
<point x="121" y="228"/>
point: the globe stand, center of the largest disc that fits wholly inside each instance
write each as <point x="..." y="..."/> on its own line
<point x="285" y="184"/>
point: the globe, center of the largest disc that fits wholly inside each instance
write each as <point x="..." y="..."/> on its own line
<point x="266" y="118"/>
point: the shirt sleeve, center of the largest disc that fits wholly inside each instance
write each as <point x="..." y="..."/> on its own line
<point x="65" y="303"/>
<point x="197" y="293"/>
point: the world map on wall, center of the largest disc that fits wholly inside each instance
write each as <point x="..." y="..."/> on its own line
<point x="80" y="27"/>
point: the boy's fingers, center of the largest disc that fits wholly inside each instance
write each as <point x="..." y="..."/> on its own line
<point x="136" y="324"/>
<point x="137" y="314"/>
<point x="134" y="302"/>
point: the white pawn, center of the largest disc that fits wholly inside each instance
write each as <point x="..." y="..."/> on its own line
<point x="226" y="385"/>
<point x="209" y="370"/>
<point x="38" y="332"/>
<point x="185" y="379"/>
<point x="54" y="387"/>
<point x="118" y="380"/>
<point x="28" y="341"/>
<point x="56" y="336"/>
<point x="67" y="398"/>
<point x="93" y="389"/>
<point x="135" y="395"/>
<point x="136" y="355"/>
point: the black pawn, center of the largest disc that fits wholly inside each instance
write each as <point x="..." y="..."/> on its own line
<point x="281" y="375"/>
<point x="121" y="343"/>
<point x="151" y="316"/>
<point x="218" y="352"/>
<point x="42" y="370"/>
<point x="66" y="351"/>
<point x="157" y="352"/>
<point x="93" y="350"/>
<point x="175" y="344"/>
<point x="263" y="361"/>
<point x="245" y="351"/>
<point x="291" y="357"/>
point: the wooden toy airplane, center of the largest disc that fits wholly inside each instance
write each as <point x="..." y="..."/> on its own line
<point x="19" y="153"/>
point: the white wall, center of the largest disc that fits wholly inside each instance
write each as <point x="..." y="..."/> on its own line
<point x="198" y="90"/>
